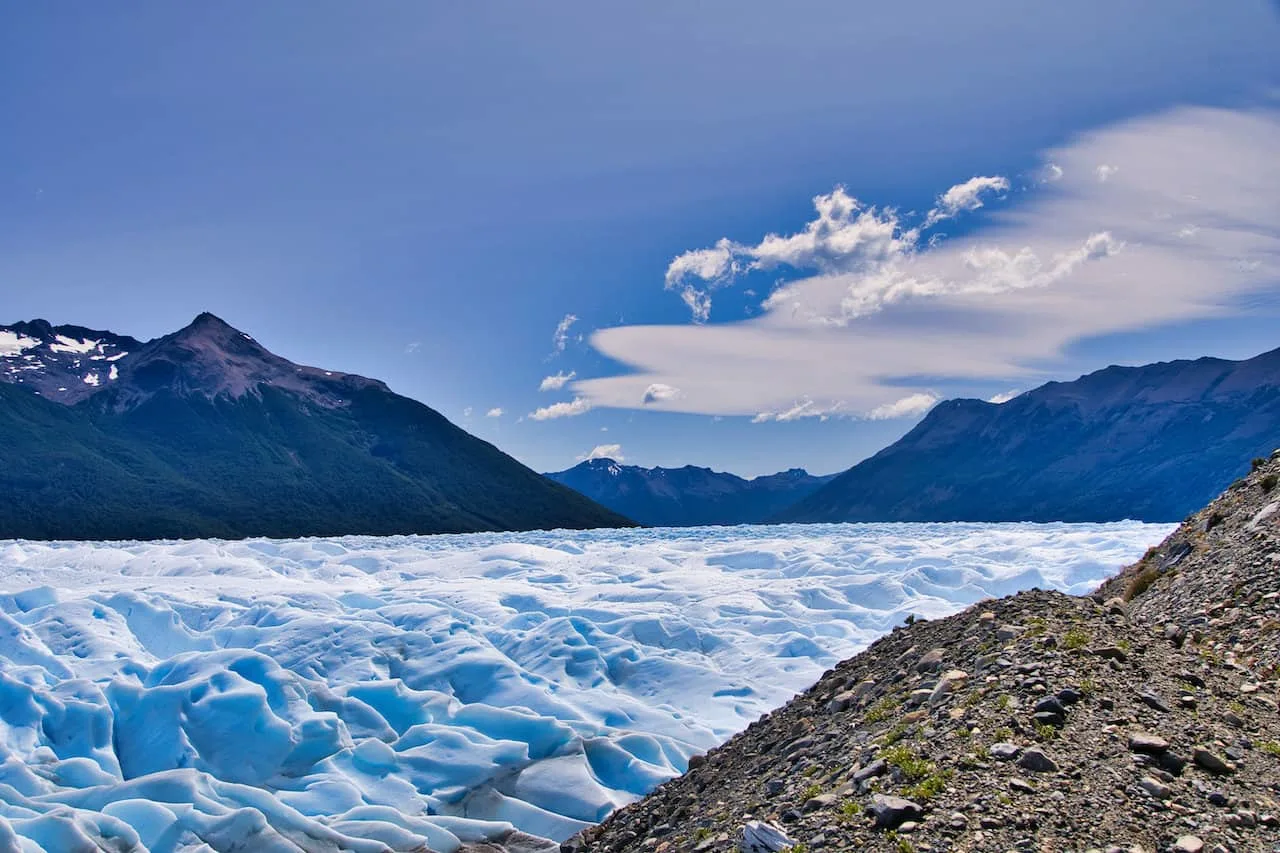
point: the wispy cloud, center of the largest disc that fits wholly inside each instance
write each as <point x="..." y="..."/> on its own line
<point x="557" y="381"/>
<point x="1186" y="225"/>
<point x="495" y="412"/>
<point x="962" y="197"/>
<point x="577" y="406"/>
<point x="561" y="337"/>
<point x="604" y="451"/>
<point x="1003" y="397"/>
<point x="413" y="347"/>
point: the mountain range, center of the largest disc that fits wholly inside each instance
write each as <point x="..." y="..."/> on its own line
<point x="205" y="433"/>
<point x="1150" y="443"/>
<point x="688" y="496"/>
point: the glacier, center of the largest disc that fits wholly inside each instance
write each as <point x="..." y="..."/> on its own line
<point x="378" y="694"/>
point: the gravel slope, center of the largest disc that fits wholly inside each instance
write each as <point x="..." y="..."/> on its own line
<point x="1141" y="718"/>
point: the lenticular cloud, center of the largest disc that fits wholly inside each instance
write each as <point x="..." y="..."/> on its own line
<point x="384" y="694"/>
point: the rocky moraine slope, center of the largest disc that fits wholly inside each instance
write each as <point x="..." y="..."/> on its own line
<point x="1141" y="718"/>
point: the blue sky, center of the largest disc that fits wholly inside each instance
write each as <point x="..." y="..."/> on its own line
<point x="423" y="192"/>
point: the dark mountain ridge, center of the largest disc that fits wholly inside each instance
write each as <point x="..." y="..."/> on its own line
<point x="688" y="496"/>
<point x="205" y="433"/>
<point x="1151" y="443"/>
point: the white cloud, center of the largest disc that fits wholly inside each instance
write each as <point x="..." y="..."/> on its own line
<point x="604" y="451"/>
<point x="874" y="312"/>
<point x="802" y="409"/>
<point x="657" y="393"/>
<point x="577" y="406"/>
<point x="911" y="406"/>
<point x="1050" y="173"/>
<point x="413" y="347"/>
<point x="495" y="412"/>
<point x="561" y="337"/>
<point x="557" y="381"/>
<point x="1104" y="172"/>
<point x="466" y="413"/>
<point x="1003" y="397"/>
<point x="845" y="235"/>
<point x="966" y="196"/>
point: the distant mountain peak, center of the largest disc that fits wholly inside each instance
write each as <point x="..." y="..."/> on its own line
<point x="688" y="495"/>
<point x="211" y="358"/>
<point x="65" y="364"/>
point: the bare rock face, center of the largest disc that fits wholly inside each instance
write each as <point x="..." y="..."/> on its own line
<point x="1092" y="726"/>
<point x="212" y="359"/>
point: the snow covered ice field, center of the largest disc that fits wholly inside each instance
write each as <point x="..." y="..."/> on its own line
<point x="375" y="694"/>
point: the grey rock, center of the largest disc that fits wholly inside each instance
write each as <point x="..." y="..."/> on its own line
<point x="1211" y="761"/>
<point x="1188" y="844"/>
<point x="1005" y="751"/>
<point x="931" y="661"/>
<point x="1147" y="742"/>
<point x="875" y="768"/>
<point x="892" y="812"/>
<point x="1155" y="787"/>
<point x="760" y="837"/>
<point x="1036" y="761"/>
<point x="1151" y="700"/>
<point x="822" y="801"/>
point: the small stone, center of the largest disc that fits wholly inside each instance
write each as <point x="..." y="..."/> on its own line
<point x="1171" y="762"/>
<point x="1016" y="784"/>
<point x="1211" y="761"/>
<point x="696" y="761"/>
<point x="774" y="787"/>
<point x="1036" y="761"/>
<point x="1187" y="702"/>
<point x="1050" y="704"/>
<point x="1048" y="718"/>
<point x="1005" y="751"/>
<point x="822" y="801"/>
<point x="1188" y="844"/>
<point x="892" y="812"/>
<point x="760" y="837"/>
<point x="931" y="661"/>
<point x="1155" y="787"/>
<point x="909" y="827"/>
<point x="958" y="820"/>
<point x="841" y="702"/>
<point x="1151" y="700"/>
<point x="1116" y="606"/>
<point x="1147" y="742"/>
<point x="1112" y="653"/>
<point x="1219" y="799"/>
<point x="875" y="768"/>
<point x="1069" y="696"/>
<point x="1007" y="632"/>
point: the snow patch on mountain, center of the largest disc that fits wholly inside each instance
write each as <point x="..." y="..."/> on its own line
<point x="376" y="694"/>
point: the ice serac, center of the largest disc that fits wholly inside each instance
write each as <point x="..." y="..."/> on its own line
<point x="1153" y="443"/>
<point x="410" y="693"/>
<point x="688" y="496"/>
<point x="205" y="432"/>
